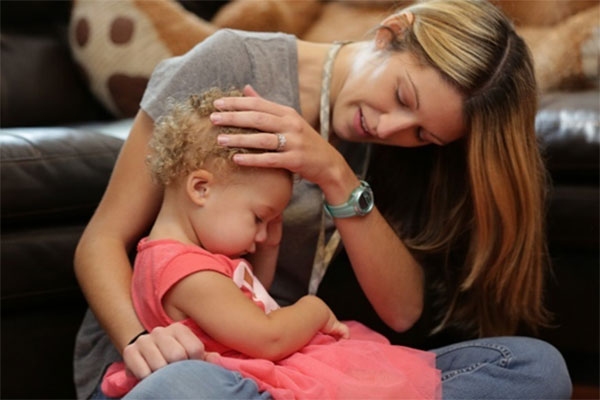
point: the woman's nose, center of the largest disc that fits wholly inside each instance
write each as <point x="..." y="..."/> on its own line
<point x="391" y="123"/>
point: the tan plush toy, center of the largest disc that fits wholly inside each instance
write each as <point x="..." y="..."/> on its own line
<point x="119" y="42"/>
<point x="567" y="53"/>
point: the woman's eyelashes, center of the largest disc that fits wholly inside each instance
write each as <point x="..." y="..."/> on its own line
<point x="258" y="220"/>
<point x="418" y="130"/>
<point x="399" y="98"/>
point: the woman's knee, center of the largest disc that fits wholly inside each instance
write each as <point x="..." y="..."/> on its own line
<point x="504" y="367"/>
<point x="545" y="365"/>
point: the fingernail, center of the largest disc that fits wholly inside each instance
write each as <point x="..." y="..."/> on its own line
<point x="218" y="103"/>
<point x="238" y="158"/>
<point x="215" y="117"/>
<point x="222" y="139"/>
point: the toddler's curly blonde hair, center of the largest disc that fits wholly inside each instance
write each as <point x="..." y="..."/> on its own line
<point x="185" y="140"/>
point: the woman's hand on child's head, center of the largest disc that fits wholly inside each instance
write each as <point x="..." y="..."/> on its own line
<point x="302" y="149"/>
<point x="164" y="345"/>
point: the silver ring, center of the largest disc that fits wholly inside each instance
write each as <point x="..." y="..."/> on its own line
<point x="280" y="142"/>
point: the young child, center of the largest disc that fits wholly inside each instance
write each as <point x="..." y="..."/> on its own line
<point x="195" y="267"/>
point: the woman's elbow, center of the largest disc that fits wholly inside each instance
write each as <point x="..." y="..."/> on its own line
<point x="403" y="321"/>
<point x="79" y="255"/>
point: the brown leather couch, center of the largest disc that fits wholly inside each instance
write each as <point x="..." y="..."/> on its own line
<point x="58" y="146"/>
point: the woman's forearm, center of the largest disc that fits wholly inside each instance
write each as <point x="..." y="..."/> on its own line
<point x="107" y="289"/>
<point x="125" y="212"/>
<point x="388" y="274"/>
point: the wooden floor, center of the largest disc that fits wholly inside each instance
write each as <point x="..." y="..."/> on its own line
<point x="586" y="392"/>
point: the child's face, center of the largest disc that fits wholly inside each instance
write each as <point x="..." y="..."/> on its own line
<point x="236" y="214"/>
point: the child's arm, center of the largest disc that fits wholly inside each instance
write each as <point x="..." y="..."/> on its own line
<point x="218" y="306"/>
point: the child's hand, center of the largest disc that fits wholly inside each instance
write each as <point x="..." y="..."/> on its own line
<point x="274" y="232"/>
<point x="336" y="328"/>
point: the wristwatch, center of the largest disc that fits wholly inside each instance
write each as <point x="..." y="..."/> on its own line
<point x="359" y="203"/>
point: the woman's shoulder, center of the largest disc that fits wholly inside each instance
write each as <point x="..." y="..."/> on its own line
<point x="228" y="34"/>
<point x="229" y="45"/>
<point x="228" y="58"/>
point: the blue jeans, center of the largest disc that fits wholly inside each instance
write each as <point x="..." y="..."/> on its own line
<point x="490" y="368"/>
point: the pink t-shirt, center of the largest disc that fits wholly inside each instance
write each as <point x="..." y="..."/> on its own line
<point x="364" y="366"/>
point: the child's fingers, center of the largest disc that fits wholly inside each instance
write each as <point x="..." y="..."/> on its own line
<point x="341" y="330"/>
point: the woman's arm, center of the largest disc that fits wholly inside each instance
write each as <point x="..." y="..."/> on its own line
<point x="388" y="274"/>
<point x="102" y="265"/>
<point x="219" y="307"/>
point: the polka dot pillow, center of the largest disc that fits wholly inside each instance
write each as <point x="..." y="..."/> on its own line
<point x="118" y="43"/>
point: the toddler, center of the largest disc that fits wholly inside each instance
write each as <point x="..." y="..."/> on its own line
<point x="209" y="258"/>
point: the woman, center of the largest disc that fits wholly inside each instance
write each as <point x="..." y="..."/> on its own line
<point x="449" y="74"/>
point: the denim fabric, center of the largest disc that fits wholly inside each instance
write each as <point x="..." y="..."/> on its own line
<point x="490" y="368"/>
<point x="196" y="380"/>
<point x="503" y="368"/>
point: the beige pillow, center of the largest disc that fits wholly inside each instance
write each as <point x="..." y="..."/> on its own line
<point x="118" y="43"/>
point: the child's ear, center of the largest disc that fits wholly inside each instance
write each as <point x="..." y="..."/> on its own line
<point x="198" y="184"/>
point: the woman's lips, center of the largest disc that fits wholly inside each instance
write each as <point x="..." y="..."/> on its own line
<point x="360" y="125"/>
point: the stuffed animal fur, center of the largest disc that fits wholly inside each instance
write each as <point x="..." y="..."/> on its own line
<point x="118" y="43"/>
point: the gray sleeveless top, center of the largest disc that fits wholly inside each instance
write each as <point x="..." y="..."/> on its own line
<point x="230" y="58"/>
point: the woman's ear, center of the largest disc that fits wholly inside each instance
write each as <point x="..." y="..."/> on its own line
<point x="393" y="26"/>
<point x="198" y="184"/>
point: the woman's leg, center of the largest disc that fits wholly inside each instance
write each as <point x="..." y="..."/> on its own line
<point x="503" y="368"/>
<point x="193" y="379"/>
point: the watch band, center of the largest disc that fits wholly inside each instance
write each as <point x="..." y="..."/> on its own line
<point x="359" y="203"/>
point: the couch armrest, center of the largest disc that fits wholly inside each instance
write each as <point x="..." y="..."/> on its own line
<point x="53" y="174"/>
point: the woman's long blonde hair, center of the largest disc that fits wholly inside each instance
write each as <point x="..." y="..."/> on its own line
<point x="475" y="48"/>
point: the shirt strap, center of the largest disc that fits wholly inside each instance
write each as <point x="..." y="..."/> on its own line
<point x="326" y="251"/>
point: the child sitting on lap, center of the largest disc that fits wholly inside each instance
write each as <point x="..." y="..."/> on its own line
<point x="212" y="252"/>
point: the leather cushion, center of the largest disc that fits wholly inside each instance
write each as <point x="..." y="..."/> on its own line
<point x="53" y="174"/>
<point x="40" y="83"/>
<point x="568" y="128"/>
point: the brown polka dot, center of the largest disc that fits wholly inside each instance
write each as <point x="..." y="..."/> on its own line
<point x="82" y="31"/>
<point x="121" y="30"/>
<point x="126" y="92"/>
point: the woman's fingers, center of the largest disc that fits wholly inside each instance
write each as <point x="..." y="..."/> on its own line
<point x="143" y="357"/>
<point x="135" y="363"/>
<point x="193" y="346"/>
<point x="249" y="119"/>
<point x="266" y="141"/>
<point x="163" y="346"/>
<point x="249" y="91"/>
<point x="265" y="160"/>
<point x="251" y="104"/>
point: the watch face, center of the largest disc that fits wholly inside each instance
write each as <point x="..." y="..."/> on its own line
<point x="365" y="200"/>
